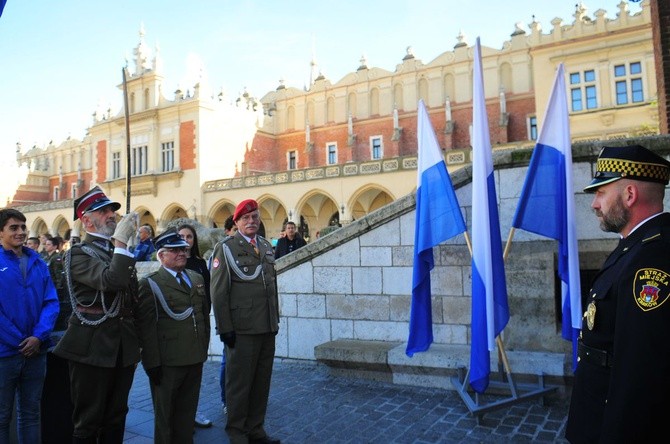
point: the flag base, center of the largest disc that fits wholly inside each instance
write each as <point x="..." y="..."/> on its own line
<point x="511" y="392"/>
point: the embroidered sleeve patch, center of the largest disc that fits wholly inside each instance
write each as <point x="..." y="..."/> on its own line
<point x="215" y="264"/>
<point x="650" y="288"/>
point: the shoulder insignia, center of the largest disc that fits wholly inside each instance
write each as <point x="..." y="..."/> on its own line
<point x="650" y="288"/>
<point x="215" y="263"/>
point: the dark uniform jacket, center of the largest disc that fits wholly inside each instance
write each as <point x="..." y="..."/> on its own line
<point x="164" y="340"/>
<point x="55" y="264"/>
<point x="622" y="394"/>
<point x="93" y="275"/>
<point x="244" y="287"/>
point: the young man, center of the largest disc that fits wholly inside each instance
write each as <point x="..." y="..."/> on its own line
<point x="174" y="331"/>
<point x="101" y="342"/>
<point x="620" y="386"/>
<point x="290" y="242"/>
<point x="28" y="312"/>
<point x="246" y="309"/>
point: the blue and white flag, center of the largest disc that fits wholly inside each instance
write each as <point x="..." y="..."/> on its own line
<point x="438" y="218"/>
<point x="547" y="203"/>
<point x="490" y="312"/>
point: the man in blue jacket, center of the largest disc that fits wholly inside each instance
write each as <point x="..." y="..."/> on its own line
<point x="28" y="312"/>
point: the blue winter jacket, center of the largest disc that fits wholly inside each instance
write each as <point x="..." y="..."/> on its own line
<point x="28" y="306"/>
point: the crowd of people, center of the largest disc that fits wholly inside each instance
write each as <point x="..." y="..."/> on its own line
<point x="75" y="321"/>
<point x="80" y="321"/>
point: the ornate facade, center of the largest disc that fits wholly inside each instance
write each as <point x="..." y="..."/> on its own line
<point x="337" y="151"/>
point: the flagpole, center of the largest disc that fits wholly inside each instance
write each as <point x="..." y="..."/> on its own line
<point x="125" y="107"/>
<point x="502" y="355"/>
<point x="508" y="243"/>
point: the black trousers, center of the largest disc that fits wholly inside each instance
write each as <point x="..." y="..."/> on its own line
<point x="56" y="416"/>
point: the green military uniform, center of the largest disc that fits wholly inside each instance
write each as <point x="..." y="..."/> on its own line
<point x="101" y="342"/>
<point x="55" y="264"/>
<point x="175" y="337"/>
<point x="245" y="301"/>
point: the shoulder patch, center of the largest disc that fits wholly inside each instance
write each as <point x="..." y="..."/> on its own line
<point x="650" y="288"/>
<point x="215" y="263"/>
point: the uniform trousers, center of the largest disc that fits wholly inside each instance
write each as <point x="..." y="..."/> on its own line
<point x="248" y="376"/>
<point x="175" y="402"/>
<point x="56" y="403"/>
<point x="100" y="398"/>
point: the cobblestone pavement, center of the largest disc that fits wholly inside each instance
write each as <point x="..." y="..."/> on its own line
<point x="308" y="405"/>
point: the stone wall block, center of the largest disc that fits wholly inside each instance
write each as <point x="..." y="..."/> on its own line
<point x="357" y="307"/>
<point x="377" y="256"/>
<point x="311" y="306"/>
<point x="305" y="334"/>
<point x="332" y="280"/>
<point x="397" y="280"/>
<point x="297" y="280"/>
<point x="367" y="280"/>
<point x="384" y="235"/>
<point x="347" y="254"/>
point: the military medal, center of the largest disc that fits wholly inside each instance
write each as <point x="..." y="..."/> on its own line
<point x="590" y="315"/>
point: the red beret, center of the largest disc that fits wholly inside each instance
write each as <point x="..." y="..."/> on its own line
<point x="244" y="207"/>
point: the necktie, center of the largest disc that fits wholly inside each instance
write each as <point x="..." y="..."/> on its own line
<point x="253" y="243"/>
<point x="183" y="283"/>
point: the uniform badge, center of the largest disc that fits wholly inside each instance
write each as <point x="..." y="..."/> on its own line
<point x="590" y="315"/>
<point x="650" y="288"/>
<point x="215" y="263"/>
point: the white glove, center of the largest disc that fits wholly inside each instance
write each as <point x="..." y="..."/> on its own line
<point x="126" y="228"/>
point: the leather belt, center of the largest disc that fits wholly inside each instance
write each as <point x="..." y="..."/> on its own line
<point x="90" y="310"/>
<point x="594" y="356"/>
<point x="98" y="311"/>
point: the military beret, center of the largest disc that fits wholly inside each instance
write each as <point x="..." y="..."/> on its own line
<point x="244" y="207"/>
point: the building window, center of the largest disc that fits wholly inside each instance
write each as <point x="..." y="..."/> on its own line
<point x="532" y="128"/>
<point x="331" y="151"/>
<point x="376" y="147"/>
<point x="628" y="83"/>
<point x="583" y="90"/>
<point x="139" y="159"/>
<point x="116" y="165"/>
<point x="73" y="190"/>
<point x="292" y="160"/>
<point x="167" y="156"/>
<point x="56" y="193"/>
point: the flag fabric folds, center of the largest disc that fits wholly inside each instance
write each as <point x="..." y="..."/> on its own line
<point x="490" y="310"/>
<point x="438" y="218"/>
<point x="546" y="205"/>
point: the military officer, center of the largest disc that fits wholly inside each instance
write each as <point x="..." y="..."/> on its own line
<point x="245" y="305"/>
<point x="100" y="342"/>
<point x="174" y="333"/>
<point x="620" y="388"/>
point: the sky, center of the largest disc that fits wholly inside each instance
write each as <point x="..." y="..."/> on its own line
<point x="62" y="59"/>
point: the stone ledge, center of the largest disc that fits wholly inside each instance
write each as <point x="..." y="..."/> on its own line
<point x="387" y="361"/>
